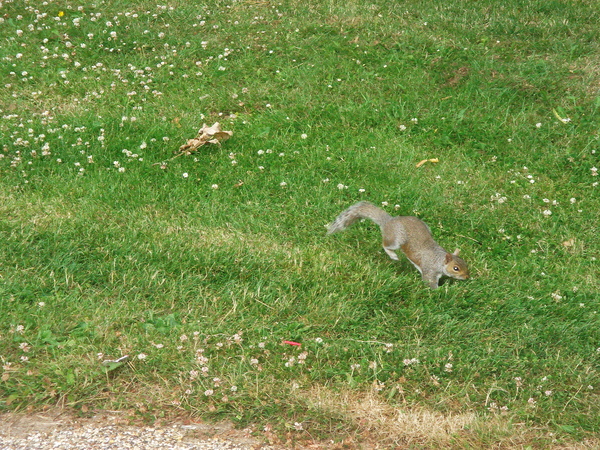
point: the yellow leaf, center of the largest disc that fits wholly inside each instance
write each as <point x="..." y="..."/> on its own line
<point x="432" y="160"/>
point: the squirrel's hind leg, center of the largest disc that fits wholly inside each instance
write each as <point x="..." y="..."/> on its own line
<point x="391" y="253"/>
<point x="391" y="243"/>
<point x="392" y="238"/>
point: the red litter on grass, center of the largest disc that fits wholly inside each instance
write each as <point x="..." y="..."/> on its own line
<point x="296" y="344"/>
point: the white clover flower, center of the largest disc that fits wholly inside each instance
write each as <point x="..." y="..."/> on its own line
<point x="409" y="362"/>
<point x="142" y="356"/>
<point x="215" y="186"/>
<point x="24" y="346"/>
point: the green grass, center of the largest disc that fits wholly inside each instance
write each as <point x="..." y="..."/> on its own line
<point x="111" y="247"/>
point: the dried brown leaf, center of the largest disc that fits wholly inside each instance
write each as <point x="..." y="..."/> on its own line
<point x="206" y="135"/>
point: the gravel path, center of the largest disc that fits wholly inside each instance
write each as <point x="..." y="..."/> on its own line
<point x="106" y="430"/>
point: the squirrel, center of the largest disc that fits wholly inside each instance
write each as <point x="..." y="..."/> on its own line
<point x="412" y="236"/>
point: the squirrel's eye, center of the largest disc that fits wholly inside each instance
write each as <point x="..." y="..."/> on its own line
<point x="456" y="269"/>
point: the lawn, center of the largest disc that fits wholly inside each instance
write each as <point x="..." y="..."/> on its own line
<point x="207" y="269"/>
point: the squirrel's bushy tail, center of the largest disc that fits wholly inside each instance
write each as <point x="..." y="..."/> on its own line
<point x="361" y="210"/>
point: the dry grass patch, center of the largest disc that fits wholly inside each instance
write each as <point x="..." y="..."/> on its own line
<point x="389" y="424"/>
<point x="377" y="421"/>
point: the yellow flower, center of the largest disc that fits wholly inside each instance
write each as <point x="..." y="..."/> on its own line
<point x="61" y="13"/>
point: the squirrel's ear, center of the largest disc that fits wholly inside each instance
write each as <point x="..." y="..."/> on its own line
<point x="448" y="258"/>
<point x="456" y="252"/>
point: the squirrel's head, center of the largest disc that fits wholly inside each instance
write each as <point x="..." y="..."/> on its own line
<point x="455" y="266"/>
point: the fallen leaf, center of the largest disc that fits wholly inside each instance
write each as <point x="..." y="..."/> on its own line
<point x="564" y="120"/>
<point x="432" y="160"/>
<point x="206" y="135"/>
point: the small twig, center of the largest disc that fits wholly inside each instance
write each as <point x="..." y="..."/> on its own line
<point x="171" y="159"/>
<point x="574" y="395"/>
<point x="473" y="239"/>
